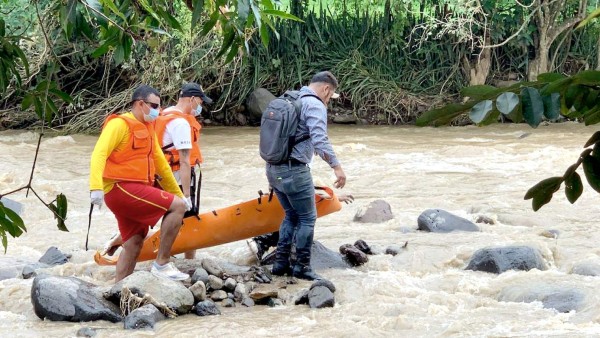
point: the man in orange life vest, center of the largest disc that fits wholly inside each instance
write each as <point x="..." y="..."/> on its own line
<point x="122" y="171"/>
<point x="179" y="132"/>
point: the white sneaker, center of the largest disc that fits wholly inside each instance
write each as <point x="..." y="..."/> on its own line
<point x="169" y="271"/>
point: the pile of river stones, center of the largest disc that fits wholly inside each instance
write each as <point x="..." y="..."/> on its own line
<point x="216" y="285"/>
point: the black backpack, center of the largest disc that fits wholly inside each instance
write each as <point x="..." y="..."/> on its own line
<point x="278" y="127"/>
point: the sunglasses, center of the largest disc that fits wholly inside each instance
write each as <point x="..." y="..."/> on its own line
<point x="152" y="104"/>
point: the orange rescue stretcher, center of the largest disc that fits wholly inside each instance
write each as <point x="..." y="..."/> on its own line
<point x="252" y="218"/>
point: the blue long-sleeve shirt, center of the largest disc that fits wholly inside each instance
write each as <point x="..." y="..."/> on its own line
<point x="313" y="121"/>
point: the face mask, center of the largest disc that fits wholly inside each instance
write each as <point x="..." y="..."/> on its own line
<point x="198" y="110"/>
<point x="151" y="116"/>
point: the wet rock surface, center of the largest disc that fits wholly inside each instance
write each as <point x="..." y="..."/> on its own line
<point x="499" y="260"/>
<point x="378" y="211"/>
<point x="53" y="256"/>
<point x="144" y="317"/>
<point x="207" y="308"/>
<point x="173" y="294"/>
<point x="70" y="299"/>
<point x="437" y="220"/>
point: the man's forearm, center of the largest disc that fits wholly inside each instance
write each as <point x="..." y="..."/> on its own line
<point x="185" y="171"/>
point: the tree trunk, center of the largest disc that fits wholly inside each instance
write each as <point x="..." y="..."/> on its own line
<point x="479" y="69"/>
<point x="548" y="29"/>
<point x="598" y="55"/>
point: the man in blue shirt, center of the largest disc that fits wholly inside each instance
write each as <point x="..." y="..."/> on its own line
<point x="293" y="183"/>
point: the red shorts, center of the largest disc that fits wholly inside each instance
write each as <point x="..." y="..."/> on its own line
<point x="137" y="207"/>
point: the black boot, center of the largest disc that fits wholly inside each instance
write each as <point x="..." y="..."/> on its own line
<point x="305" y="272"/>
<point x="281" y="269"/>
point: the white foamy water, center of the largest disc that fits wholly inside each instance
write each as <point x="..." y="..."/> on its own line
<point x="422" y="292"/>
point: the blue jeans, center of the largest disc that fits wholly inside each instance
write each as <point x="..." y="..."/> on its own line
<point x="294" y="187"/>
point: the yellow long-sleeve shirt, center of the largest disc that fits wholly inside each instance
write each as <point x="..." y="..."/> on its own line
<point x="115" y="137"/>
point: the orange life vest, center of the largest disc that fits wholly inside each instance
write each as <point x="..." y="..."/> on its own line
<point x="172" y="155"/>
<point x="135" y="162"/>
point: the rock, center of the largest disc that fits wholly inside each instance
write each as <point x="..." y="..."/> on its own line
<point x="86" y="332"/>
<point x="395" y="249"/>
<point x="218" y="295"/>
<point x="241" y="119"/>
<point x="174" y="294"/>
<point x="301" y="297"/>
<point x="247" y="301"/>
<point x="345" y="119"/>
<point x="199" y="291"/>
<point x="273" y="302"/>
<point x="354" y="256"/>
<point x="561" y="298"/>
<point x="212" y="267"/>
<point x="378" y="211"/>
<point x="320" y="297"/>
<point x="586" y="269"/>
<point x="30" y="270"/>
<point x="144" y="317"/>
<point x="200" y="275"/>
<point x="484" y="219"/>
<point x="550" y="233"/>
<point x="53" y="256"/>
<point x="499" y="260"/>
<point x="228" y="302"/>
<point x="263" y="291"/>
<point x="214" y="283"/>
<point x="229" y="284"/>
<point x="257" y="102"/>
<point x="230" y="295"/>
<point x="363" y="246"/>
<point x="436" y="220"/>
<point x="323" y="282"/>
<point x="207" y="308"/>
<point x="324" y="258"/>
<point x="70" y="299"/>
<point x="240" y="291"/>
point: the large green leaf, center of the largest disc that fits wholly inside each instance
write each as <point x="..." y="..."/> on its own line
<point x="592" y="116"/>
<point x="212" y="21"/>
<point x="478" y="92"/>
<point x="588" y="77"/>
<point x="281" y="14"/>
<point x="557" y="86"/>
<point x="573" y="187"/>
<point x="443" y="115"/>
<point x="591" y="168"/>
<point x="595" y="138"/>
<point x="479" y="111"/>
<point x="551" y="106"/>
<point x="574" y="94"/>
<point x="533" y="106"/>
<point x="198" y="6"/>
<point x="550" y="77"/>
<point x="506" y="102"/>
<point x="542" y="192"/>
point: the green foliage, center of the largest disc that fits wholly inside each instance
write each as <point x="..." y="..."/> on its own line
<point x="10" y="224"/>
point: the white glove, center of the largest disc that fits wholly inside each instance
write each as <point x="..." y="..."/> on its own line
<point x="188" y="203"/>
<point x="97" y="197"/>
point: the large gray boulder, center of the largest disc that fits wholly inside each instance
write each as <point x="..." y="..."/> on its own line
<point x="323" y="258"/>
<point x="53" y="256"/>
<point x="561" y="298"/>
<point x="144" y="317"/>
<point x="436" y="220"/>
<point x="499" y="260"/>
<point x="320" y="297"/>
<point x="70" y="299"/>
<point x="378" y="211"/>
<point x="257" y="102"/>
<point x="171" y="293"/>
<point x="587" y="268"/>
